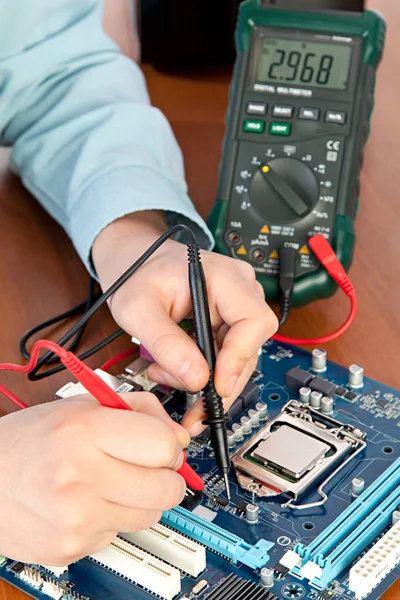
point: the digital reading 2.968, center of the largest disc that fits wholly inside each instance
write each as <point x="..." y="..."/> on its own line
<point x="297" y="123"/>
<point x="301" y="62"/>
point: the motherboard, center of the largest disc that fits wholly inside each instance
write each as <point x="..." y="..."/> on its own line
<point x="314" y="512"/>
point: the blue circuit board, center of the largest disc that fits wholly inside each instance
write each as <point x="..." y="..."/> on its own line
<point x="375" y="409"/>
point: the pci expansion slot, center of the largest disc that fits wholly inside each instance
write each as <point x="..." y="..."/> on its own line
<point x="217" y="539"/>
<point x="184" y="554"/>
<point x="141" y="568"/>
<point x="339" y="544"/>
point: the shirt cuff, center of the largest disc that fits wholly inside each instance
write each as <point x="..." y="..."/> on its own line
<point x="124" y="191"/>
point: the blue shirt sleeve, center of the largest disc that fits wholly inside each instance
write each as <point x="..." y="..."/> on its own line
<point x="85" y="139"/>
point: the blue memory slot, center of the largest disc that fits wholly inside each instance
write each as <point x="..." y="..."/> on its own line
<point x="354" y="513"/>
<point x="217" y="539"/>
<point x="353" y="530"/>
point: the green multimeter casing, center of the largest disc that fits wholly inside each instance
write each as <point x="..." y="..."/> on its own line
<point x="311" y="136"/>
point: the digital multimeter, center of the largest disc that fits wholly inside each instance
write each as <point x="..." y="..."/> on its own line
<point x="298" y="119"/>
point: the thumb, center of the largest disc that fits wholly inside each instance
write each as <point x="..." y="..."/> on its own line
<point x="147" y="403"/>
<point x="172" y="348"/>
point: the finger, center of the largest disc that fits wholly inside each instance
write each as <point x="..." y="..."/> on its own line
<point x="139" y="487"/>
<point x="251" y="323"/>
<point x="136" y="438"/>
<point x="161" y="376"/>
<point x="147" y="403"/>
<point x="172" y="348"/>
<point x="195" y="415"/>
<point x="120" y="518"/>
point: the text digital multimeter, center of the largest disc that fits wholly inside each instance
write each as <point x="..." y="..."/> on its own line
<point x="298" y="119"/>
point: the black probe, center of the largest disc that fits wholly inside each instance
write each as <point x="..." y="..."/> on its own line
<point x="213" y="405"/>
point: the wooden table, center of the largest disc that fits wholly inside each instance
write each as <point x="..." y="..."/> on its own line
<point x="41" y="275"/>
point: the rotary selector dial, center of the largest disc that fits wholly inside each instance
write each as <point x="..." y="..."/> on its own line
<point x="284" y="190"/>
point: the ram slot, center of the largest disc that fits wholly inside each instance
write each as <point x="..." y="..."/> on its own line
<point x="171" y="546"/>
<point x="217" y="539"/>
<point x="369" y="571"/>
<point x="140" y="567"/>
<point x="349" y="534"/>
<point x="354" y="513"/>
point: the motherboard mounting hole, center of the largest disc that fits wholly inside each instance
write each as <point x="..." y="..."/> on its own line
<point x="274" y="397"/>
<point x="293" y="591"/>
<point x="308" y="526"/>
<point x="194" y="466"/>
<point x="387" y="449"/>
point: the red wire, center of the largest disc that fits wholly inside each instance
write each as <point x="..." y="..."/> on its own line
<point x="116" y="359"/>
<point x="95" y="385"/>
<point x="8" y="394"/>
<point x="38" y="346"/>
<point x="328" y="259"/>
<point x="327" y="338"/>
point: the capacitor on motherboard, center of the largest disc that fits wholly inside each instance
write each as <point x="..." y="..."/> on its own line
<point x="237" y="429"/>
<point x="231" y="439"/>
<point x="395" y="517"/>
<point x="252" y="514"/>
<point x="305" y="395"/>
<point x="254" y="417"/>
<point x="357" y="486"/>
<point x="356" y="376"/>
<point x="262" y="410"/>
<point x="246" y="423"/>
<point x="267" y="577"/>
<point x="318" y="360"/>
<point x="315" y="399"/>
<point x="191" y="398"/>
<point x="327" y="405"/>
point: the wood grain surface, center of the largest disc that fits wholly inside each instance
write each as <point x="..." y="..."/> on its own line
<point x="41" y="275"/>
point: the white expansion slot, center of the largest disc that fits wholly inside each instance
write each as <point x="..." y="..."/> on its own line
<point x="376" y="563"/>
<point x="140" y="567"/>
<point x="57" y="571"/>
<point x="171" y="546"/>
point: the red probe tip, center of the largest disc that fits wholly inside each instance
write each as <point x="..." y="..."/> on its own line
<point x="193" y="480"/>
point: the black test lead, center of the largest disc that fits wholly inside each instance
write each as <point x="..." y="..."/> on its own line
<point x="213" y="405"/>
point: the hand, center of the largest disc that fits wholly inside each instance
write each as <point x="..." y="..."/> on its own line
<point x="157" y="297"/>
<point x="74" y="473"/>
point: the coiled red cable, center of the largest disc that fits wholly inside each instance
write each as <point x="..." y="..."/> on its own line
<point x="328" y="259"/>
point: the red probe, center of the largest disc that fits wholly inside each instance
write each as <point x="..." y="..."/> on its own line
<point x="95" y="386"/>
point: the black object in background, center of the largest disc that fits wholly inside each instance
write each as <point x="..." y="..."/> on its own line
<point x="188" y="33"/>
<point x="198" y="33"/>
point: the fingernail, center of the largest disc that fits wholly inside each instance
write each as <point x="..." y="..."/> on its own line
<point x="190" y="378"/>
<point x="183" y="437"/>
<point x="230" y="386"/>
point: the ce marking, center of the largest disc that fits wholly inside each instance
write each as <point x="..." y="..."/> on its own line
<point x="332" y="145"/>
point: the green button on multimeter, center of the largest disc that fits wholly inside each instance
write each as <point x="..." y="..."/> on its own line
<point x="307" y="69"/>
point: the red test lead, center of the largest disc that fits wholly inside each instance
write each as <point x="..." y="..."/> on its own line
<point x="328" y="259"/>
<point x="96" y="387"/>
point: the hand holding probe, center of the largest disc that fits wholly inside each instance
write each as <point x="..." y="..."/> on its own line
<point x="213" y="405"/>
<point x="95" y="386"/>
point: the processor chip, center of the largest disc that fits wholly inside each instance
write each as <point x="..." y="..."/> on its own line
<point x="290" y="451"/>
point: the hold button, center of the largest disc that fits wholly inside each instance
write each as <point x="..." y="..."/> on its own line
<point x="335" y="116"/>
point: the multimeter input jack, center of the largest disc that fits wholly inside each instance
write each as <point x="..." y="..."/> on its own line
<point x="258" y="255"/>
<point x="234" y="238"/>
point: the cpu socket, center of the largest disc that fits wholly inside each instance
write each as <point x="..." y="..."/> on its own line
<point x="293" y="451"/>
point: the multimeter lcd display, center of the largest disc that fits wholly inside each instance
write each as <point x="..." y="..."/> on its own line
<point x="299" y="62"/>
